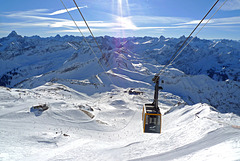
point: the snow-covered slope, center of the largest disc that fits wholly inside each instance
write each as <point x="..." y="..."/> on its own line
<point x="108" y="126"/>
<point x="87" y="112"/>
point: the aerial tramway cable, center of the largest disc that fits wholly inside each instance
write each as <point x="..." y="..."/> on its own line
<point x="87" y="41"/>
<point x="89" y="29"/>
<point x="198" y="31"/>
<point x="175" y="54"/>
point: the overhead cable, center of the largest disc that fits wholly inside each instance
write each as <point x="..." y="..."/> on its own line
<point x="199" y="31"/>
<point x="174" y="55"/>
<point x="89" y="29"/>
<point x="86" y="42"/>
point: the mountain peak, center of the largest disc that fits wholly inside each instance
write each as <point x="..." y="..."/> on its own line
<point x="162" y="38"/>
<point x="13" y="34"/>
<point x="57" y="36"/>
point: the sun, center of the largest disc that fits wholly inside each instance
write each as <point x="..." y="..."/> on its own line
<point x="126" y="23"/>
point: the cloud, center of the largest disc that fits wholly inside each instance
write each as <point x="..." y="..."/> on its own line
<point x="217" y="21"/>
<point x="39" y="14"/>
<point x="70" y="31"/>
<point x="42" y="18"/>
<point x="64" y="10"/>
<point x="32" y="17"/>
<point x="25" y="24"/>
<point x="126" y="23"/>
<point x="29" y="19"/>
<point x="159" y="23"/>
<point x="195" y="22"/>
<point x="231" y="5"/>
<point x="61" y="24"/>
<point x="147" y="22"/>
<point x="164" y="27"/>
<point x="158" y="19"/>
<point x="227" y="21"/>
<point x="29" y="12"/>
<point x="69" y="23"/>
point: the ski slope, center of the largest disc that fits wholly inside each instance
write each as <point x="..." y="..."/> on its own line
<point x="113" y="129"/>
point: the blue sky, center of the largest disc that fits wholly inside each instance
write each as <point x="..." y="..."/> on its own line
<point x="120" y="18"/>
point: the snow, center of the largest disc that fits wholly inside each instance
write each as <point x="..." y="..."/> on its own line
<point x="93" y="116"/>
<point x="64" y="132"/>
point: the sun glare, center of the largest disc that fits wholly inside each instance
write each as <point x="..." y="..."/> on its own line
<point x="120" y="9"/>
<point x="123" y="16"/>
<point x="126" y="23"/>
<point x="120" y="4"/>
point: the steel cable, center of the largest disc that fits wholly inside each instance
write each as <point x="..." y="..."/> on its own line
<point x="87" y="42"/>
<point x="174" y="55"/>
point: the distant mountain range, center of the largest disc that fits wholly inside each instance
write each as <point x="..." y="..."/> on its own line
<point x="206" y="71"/>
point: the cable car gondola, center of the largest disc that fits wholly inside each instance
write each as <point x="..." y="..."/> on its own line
<point x="151" y="115"/>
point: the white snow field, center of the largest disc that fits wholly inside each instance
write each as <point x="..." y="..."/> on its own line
<point x="108" y="126"/>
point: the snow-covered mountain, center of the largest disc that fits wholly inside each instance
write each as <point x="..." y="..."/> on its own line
<point x="24" y="57"/>
<point x="63" y="100"/>
<point x="29" y="62"/>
